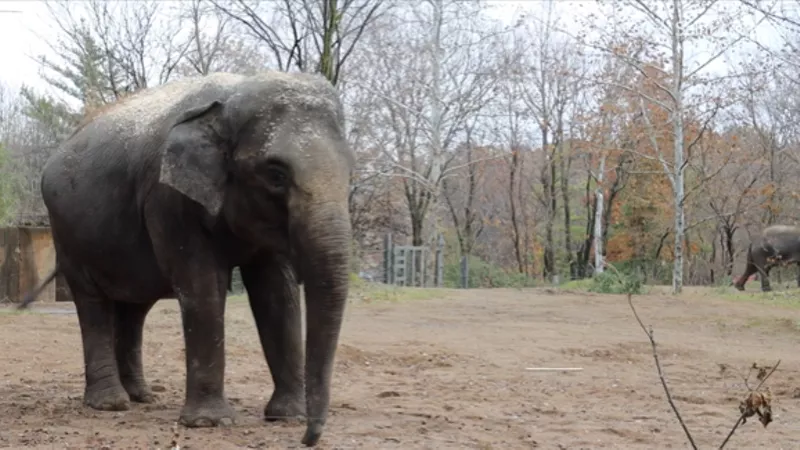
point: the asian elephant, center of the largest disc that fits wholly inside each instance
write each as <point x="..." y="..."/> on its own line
<point x="165" y="192"/>
<point x="777" y="245"/>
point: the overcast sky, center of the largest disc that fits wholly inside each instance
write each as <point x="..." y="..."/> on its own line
<point x="21" y="33"/>
<point x="18" y="33"/>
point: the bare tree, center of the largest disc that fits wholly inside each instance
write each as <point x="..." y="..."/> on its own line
<point x="429" y="87"/>
<point x="461" y="192"/>
<point x="306" y="35"/>
<point x="218" y="43"/>
<point x="673" y="28"/>
<point x="510" y="123"/>
<point x="31" y="126"/>
<point x="549" y="84"/>
<point x="608" y="158"/>
<point x="736" y="190"/>
<point x="206" y="48"/>
<point x="108" y="50"/>
<point x="373" y="204"/>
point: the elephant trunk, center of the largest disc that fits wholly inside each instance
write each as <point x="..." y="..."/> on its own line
<point x="325" y="252"/>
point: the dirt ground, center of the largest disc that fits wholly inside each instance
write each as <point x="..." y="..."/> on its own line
<point x="445" y="373"/>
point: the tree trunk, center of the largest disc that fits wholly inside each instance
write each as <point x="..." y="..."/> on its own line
<point x="712" y="258"/>
<point x="599" y="219"/>
<point x="616" y="188"/>
<point x="566" y="162"/>
<point x="549" y="191"/>
<point x="584" y="251"/>
<point x="327" y="65"/>
<point x="677" y="132"/>
<point x="728" y="236"/>
<point x="467" y="228"/>
<point x="551" y="221"/>
<point x="512" y="198"/>
<point x="417" y="220"/>
<point x="418" y="201"/>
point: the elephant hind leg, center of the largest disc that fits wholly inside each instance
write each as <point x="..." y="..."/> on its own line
<point x="104" y="390"/>
<point x="129" y="323"/>
<point x="798" y="274"/>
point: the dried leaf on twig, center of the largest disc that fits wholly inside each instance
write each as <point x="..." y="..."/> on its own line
<point x="759" y="403"/>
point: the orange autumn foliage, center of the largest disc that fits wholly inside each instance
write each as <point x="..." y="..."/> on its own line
<point x="644" y="210"/>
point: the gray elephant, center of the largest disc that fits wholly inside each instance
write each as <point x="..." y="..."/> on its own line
<point x="777" y="245"/>
<point x="165" y="192"/>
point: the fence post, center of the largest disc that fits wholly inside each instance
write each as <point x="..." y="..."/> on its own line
<point x="464" y="272"/>
<point x="424" y="267"/>
<point x="414" y="253"/>
<point x="439" y="261"/>
<point x="388" y="256"/>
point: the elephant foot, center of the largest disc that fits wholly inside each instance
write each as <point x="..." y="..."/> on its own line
<point x="285" y="407"/>
<point x="209" y="413"/>
<point x="741" y="288"/>
<point x="107" y="399"/>
<point x="313" y="433"/>
<point x="766" y="289"/>
<point x="139" y="392"/>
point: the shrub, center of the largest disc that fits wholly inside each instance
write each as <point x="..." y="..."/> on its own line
<point x="611" y="282"/>
<point x="485" y="275"/>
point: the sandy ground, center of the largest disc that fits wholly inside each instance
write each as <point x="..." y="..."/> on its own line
<point x="444" y="373"/>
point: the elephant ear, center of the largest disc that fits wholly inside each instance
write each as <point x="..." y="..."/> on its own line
<point x="193" y="157"/>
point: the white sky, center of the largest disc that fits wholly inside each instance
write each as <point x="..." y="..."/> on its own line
<point x="21" y="34"/>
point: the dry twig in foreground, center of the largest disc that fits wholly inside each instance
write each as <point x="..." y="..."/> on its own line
<point x="649" y="333"/>
<point x="755" y="403"/>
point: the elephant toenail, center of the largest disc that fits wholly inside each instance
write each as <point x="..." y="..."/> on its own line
<point x="203" y="422"/>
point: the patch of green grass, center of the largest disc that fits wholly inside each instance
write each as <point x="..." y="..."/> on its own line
<point x="608" y="283"/>
<point x="369" y="292"/>
<point x="372" y="292"/>
<point x="782" y="324"/>
<point x="786" y="297"/>
<point x="577" y="285"/>
<point x="11" y="310"/>
<point x="366" y="292"/>
<point x="486" y="276"/>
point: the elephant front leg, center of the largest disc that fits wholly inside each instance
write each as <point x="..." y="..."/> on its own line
<point x="104" y="390"/>
<point x="763" y="273"/>
<point x="184" y="251"/>
<point x="738" y="283"/>
<point x="202" y="303"/>
<point x="129" y="325"/>
<point x="275" y="302"/>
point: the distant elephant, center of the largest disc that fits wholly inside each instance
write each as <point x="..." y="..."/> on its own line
<point x="777" y="245"/>
<point x="167" y="191"/>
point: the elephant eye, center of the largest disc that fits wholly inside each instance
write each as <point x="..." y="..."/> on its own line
<point x="277" y="178"/>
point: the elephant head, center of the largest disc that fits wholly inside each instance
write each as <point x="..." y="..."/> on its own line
<point x="271" y="160"/>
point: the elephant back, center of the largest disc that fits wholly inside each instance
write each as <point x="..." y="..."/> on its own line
<point x="780" y="240"/>
<point x="150" y="110"/>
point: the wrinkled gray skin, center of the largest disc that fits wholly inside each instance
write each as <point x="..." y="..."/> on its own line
<point x="777" y="245"/>
<point x="166" y="192"/>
